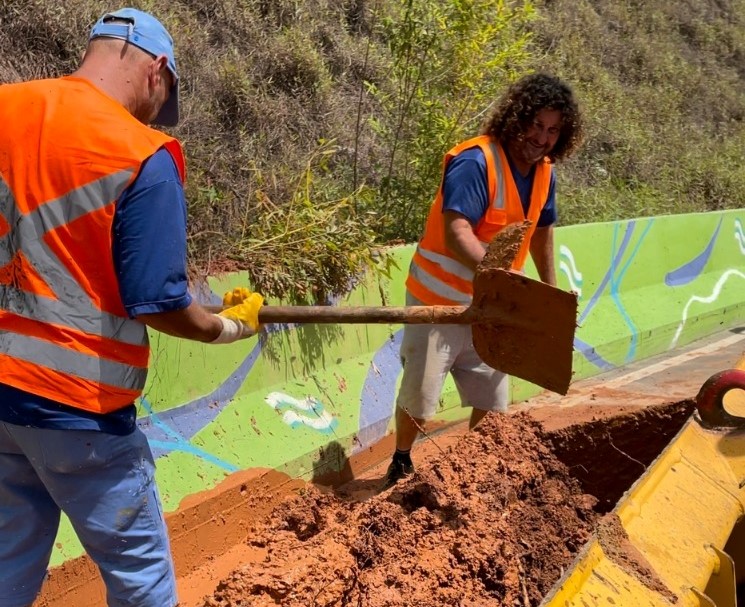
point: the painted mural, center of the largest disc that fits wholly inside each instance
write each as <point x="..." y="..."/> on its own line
<point x="276" y="400"/>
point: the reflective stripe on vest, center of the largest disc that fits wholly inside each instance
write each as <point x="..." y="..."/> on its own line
<point x="59" y="358"/>
<point x="67" y="153"/>
<point x="499" y="189"/>
<point x="26" y="237"/>
<point x="450" y="265"/>
<point x="435" y="285"/>
<point x="436" y="277"/>
<point x="75" y="311"/>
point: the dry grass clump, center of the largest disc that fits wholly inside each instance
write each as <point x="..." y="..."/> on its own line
<point x="275" y="98"/>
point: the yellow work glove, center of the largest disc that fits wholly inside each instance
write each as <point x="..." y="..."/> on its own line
<point x="245" y="306"/>
<point x="241" y="319"/>
<point x="238" y="295"/>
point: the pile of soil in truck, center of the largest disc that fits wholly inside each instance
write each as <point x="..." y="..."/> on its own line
<point x="494" y="520"/>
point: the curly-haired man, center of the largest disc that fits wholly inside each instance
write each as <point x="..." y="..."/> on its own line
<point x="503" y="176"/>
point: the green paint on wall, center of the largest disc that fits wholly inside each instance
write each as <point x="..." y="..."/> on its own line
<point x="645" y="286"/>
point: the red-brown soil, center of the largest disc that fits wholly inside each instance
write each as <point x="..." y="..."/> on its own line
<point x="608" y="453"/>
<point x="492" y="521"/>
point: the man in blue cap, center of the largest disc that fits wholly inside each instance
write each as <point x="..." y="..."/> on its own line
<point x="92" y="252"/>
<point x="146" y="33"/>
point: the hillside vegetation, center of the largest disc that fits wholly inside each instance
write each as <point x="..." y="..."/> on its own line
<point x="314" y="129"/>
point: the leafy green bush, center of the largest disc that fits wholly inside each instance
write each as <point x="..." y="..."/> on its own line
<point x="449" y="59"/>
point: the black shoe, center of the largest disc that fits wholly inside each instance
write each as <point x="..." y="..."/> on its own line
<point x="396" y="471"/>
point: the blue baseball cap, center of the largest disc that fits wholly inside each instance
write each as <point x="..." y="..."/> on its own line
<point x="146" y="32"/>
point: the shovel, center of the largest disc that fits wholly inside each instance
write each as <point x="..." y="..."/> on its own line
<point x="520" y="326"/>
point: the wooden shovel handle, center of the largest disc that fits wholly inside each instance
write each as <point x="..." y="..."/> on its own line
<point x="457" y="315"/>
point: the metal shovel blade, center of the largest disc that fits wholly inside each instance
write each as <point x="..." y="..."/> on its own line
<point x="524" y="327"/>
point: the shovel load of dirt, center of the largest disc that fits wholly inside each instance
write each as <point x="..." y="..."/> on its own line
<point x="492" y="521"/>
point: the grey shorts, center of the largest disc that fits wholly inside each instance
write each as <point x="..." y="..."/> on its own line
<point x="429" y="353"/>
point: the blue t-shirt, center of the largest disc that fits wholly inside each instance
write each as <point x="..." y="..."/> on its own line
<point x="149" y="251"/>
<point x="466" y="192"/>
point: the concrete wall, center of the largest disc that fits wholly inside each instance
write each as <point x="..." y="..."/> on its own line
<point x="301" y="400"/>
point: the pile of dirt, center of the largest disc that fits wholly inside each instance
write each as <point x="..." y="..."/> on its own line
<point x="494" y="520"/>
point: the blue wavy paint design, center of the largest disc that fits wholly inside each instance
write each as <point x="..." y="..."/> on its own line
<point x="615" y="292"/>
<point x="740" y="235"/>
<point x="691" y="270"/>
<point x="172" y="429"/>
<point x="302" y="412"/>
<point x="591" y="355"/>
<point x="607" y="277"/>
<point x="568" y="267"/>
<point x="379" y="392"/>
<point x="175" y="441"/>
<point x="613" y="278"/>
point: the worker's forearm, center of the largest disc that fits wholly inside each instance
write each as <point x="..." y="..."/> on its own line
<point x="548" y="273"/>
<point x="192" y="322"/>
<point x="461" y="241"/>
<point x="542" y="252"/>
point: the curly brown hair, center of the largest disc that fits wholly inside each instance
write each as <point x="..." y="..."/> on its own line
<point x="524" y="99"/>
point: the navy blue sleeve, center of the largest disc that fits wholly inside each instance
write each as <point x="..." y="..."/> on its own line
<point x="464" y="188"/>
<point x="150" y="240"/>
<point x="549" y="214"/>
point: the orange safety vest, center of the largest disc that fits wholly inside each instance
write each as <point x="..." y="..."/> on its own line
<point x="436" y="277"/>
<point x="67" y="152"/>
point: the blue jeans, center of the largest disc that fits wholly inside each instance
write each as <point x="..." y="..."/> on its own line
<point x="105" y="485"/>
